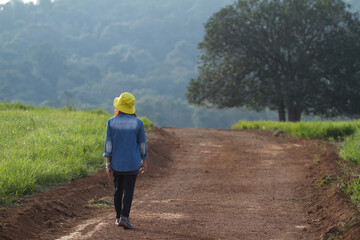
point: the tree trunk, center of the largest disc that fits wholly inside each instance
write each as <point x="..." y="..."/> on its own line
<point x="294" y="113"/>
<point x="281" y="112"/>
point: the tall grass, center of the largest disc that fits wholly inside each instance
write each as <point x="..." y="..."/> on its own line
<point x="42" y="147"/>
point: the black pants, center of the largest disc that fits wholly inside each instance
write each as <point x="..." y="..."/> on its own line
<point x="123" y="195"/>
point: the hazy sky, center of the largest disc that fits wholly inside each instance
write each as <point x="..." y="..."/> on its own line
<point x="5" y="1"/>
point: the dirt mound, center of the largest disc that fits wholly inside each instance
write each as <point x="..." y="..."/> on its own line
<point x="160" y="144"/>
<point x="51" y="209"/>
<point x="60" y="207"/>
<point x="332" y="214"/>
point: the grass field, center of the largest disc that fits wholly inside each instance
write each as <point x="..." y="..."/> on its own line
<point x="308" y="130"/>
<point x="42" y="147"/>
<point x="348" y="132"/>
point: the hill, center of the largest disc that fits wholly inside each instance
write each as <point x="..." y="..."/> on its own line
<point x="85" y="53"/>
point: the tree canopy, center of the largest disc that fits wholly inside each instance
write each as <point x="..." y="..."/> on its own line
<point x="293" y="56"/>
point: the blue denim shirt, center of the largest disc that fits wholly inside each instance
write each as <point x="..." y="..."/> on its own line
<point x="125" y="142"/>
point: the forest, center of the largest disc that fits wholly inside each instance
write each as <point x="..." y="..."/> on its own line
<point x="84" y="53"/>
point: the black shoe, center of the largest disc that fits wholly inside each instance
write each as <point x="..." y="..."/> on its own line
<point x="125" y="222"/>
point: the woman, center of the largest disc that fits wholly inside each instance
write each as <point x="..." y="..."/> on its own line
<point x="126" y="153"/>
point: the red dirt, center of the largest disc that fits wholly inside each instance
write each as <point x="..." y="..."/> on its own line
<point x="205" y="184"/>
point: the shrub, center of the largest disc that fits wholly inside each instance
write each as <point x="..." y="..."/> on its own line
<point x="147" y="123"/>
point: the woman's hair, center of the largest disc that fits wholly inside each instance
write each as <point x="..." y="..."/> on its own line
<point x="117" y="112"/>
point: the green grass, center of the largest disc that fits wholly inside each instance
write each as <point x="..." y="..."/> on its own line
<point x="147" y="123"/>
<point x="308" y="130"/>
<point x="351" y="148"/>
<point x="351" y="152"/>
<point x="353" y="190"/>
<point x="43" y="147"/>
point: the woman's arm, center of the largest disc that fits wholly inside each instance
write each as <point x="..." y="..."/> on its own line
<point x="108" y="142"/>
<point x="108" y="150"/>
<point x="143" y="148"/>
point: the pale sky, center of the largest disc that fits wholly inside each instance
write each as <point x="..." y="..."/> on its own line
<point x="26" y="1"/>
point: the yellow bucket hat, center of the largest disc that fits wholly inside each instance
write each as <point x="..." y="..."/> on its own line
<point x="125" y="103"/>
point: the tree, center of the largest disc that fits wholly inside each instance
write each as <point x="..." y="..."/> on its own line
<point x="292" y="56"/>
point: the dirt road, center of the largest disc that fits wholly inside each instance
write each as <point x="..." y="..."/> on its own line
<point x="211" y="184"/>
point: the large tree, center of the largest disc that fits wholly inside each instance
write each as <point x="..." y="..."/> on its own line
<point x="293" y="56"/>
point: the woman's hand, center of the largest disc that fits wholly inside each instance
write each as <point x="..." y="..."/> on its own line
<point x="109" y="172"/>
<point x="143" y="167"/>
<point x="108" y="168"/>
